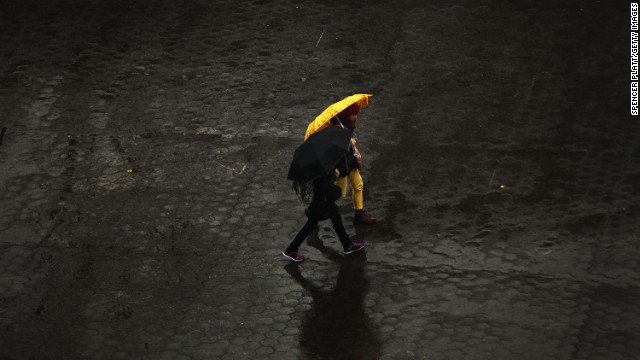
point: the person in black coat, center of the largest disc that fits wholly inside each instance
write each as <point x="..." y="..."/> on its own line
<point x="322" y="207"/>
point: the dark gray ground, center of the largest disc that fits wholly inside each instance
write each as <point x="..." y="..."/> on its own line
<point x="206" y="100"/>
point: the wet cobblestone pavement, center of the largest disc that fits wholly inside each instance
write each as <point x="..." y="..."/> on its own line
<point x="143" y="200"/>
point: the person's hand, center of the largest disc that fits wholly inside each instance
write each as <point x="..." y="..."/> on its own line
<point x="353" y="141"/>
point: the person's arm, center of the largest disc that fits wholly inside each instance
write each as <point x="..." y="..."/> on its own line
<point x="322" y="186"/>
<point x="336" y="175"/>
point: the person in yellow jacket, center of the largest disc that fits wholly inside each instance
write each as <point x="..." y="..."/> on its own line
<point x="349" y="167"/>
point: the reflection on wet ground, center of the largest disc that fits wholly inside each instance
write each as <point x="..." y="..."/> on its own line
<point x="337" y="325"/>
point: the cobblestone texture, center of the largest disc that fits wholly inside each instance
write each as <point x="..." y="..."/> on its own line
<point x="143" y="201"/>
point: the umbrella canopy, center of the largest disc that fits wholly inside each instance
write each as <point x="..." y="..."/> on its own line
<point x="324" y="119"/>
<point x="319" y="154"/>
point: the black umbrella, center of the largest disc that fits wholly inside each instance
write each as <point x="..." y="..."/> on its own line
<point x="319" y="154"/>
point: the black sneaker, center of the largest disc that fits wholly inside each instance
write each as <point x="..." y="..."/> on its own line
<point x="293" y="255"/>
<point x="356" y="246"/>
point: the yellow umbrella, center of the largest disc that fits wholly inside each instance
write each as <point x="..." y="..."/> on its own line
<point x="323" y="120"/>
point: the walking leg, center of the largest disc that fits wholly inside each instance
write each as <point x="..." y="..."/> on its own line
<point x="338" y="226"/>
<point x="306" y="230"/>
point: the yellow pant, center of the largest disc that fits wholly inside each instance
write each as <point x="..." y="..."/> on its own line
<point x="356" y="187"/>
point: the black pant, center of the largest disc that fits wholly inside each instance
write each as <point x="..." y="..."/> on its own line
<point x="330" y="213"/>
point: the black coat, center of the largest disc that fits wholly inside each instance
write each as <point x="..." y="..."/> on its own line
<point x="325" y="194"/>
<point x="349" y="162"/>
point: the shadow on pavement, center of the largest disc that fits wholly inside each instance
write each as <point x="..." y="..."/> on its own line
<point x="337" y="326"/>
<point x="2" y="131"/>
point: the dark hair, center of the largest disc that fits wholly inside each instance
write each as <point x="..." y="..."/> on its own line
<point x="304" y="190"/>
